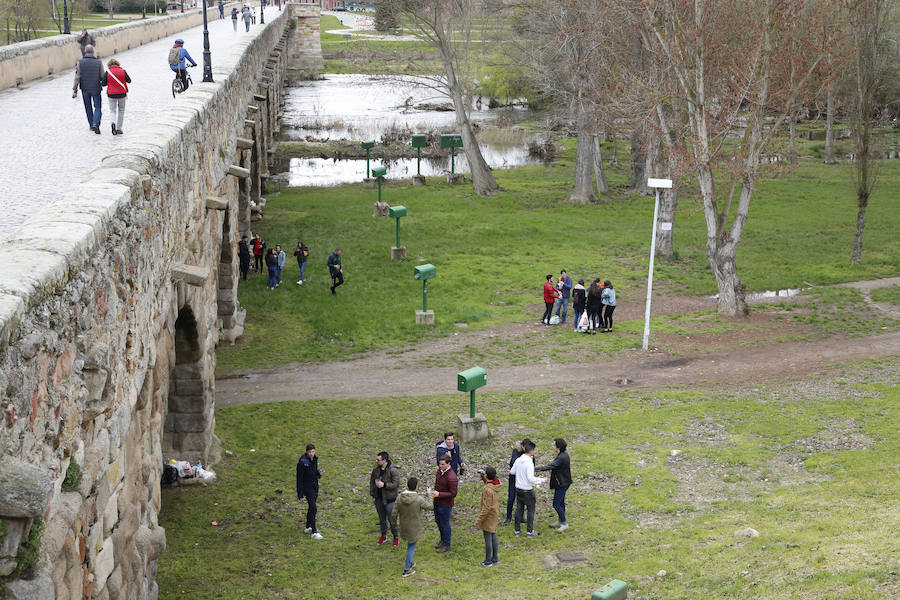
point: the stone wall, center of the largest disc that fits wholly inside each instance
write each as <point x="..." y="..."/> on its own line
<point x="306" y="50"/>
<point x="112" y="301"/>
<point x="26" y="61"/>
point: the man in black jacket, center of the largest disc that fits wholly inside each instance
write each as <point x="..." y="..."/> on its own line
<point x="383" y="484"/>
<point x="308" y="473"/>
<point x="89" y="75"/>
<point x="560" y="480"/>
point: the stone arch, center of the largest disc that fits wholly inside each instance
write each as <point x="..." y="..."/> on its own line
<point x="189" y="419"/>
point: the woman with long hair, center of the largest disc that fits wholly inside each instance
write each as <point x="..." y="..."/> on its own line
<point x="608" y="297"/>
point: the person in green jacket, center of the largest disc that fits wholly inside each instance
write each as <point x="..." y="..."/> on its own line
<point x="335" y="269"/>
<point x="407" y="513"/>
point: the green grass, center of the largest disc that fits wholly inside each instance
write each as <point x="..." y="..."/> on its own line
<point x="887" y="294"/>
<point x="812" y="468"/>
<point x="492" y="253"/>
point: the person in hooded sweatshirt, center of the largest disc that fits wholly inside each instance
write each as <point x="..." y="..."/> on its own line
<point x="408" y="511"/>
<point x="489" y="515"/>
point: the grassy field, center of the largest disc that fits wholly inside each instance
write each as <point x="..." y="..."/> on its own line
<point x="662" y="481"/>
<point x="492" y="253"/>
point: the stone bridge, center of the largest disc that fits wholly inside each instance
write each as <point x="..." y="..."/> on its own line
<point x="112" y="301"/>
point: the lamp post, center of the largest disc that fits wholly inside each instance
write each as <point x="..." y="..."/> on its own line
<point x="262" y="15"/>
<point x="66" y="27"/>
<point x="657" y="184"/>
<point x="207" y="61"/>
<point x="182" y="6"/>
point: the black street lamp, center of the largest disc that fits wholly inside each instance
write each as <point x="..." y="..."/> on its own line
<point x="66" y="28"/>
<point x="207" y="62"/>
<point x="182" y="6"/>
<point x="262" y="16"/>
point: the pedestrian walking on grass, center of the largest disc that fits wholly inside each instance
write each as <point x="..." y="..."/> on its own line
<point x="308" y="474"/>
<point x="116" y="80"/>
<point x="560" y="480"/>
<point x="523" y="469"/>
<point x="407" y="513"/>
<point x="272" y="266"/>
<point x="89" y="74"/>
<point x="244" y="256"/>
<point x="446" y="486"/>
<point x="234" y="18"/>
<point x="608" y="298"/>
<point x="383" y="484"/>
<point x="489" y="514"/>
<point x="85" y="40"/>
<point x="335" y="269"/>
<point x="550" y="296"/>
<point x="302" y="253"/>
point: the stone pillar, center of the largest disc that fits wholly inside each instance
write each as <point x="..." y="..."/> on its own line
<point x="305" y="54"/>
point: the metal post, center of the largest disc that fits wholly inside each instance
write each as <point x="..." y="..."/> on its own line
<point x="452" y="159"/>
<point x="66" y="27"/>
<point x="398" y="230"/>
<point x="182" y="6"/>
<point x="650" y="273"/>
<point x="262" y="16"/>
<point x="472" y="404"/>
<point x="367" y="171"/>
<point x="207" y="61"/>
<point x="424" y="295"/>
<point x="379" y="191"/>
<point x="419" y="161"/>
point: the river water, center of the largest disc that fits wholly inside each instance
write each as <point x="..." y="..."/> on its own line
<point x="364" y="107"/>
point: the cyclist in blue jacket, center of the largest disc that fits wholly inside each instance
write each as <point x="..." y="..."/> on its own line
<point x="177" y="62"/>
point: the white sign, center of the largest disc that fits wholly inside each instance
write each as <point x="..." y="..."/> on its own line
<point x="665" y="226"/>
<point x="659" y="183"/>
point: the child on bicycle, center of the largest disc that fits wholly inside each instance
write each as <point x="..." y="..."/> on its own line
<point x="177" y="56"/>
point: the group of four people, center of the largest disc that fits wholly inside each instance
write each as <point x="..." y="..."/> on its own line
<point x="400" y="513"/>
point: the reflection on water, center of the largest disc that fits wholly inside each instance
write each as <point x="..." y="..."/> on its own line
<point x="363" y="107"/>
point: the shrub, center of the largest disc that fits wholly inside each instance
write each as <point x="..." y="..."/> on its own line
<point x="73" y="477"/>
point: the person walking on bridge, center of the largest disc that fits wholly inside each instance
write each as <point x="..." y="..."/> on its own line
<point x="85" y="40"/>
<point x="234" y="18"/>
<point x="89" y="74"/>
<point x="247" y="15"/>
<point x="116" y="80"/>
<point x="221" y="9"/>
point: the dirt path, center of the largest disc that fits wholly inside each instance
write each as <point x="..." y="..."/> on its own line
<point x="382" y="374"/>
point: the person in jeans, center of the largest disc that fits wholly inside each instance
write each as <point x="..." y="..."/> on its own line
<point x="89" y="75"/>
<point x="302" y="253"/>
<point x="451" y="447"/>
<point x="116" y="80"/>
<point x="579" y="299"/>
<point x="281" y="256"/>
<point x="383" y="483"/>
<point x="608" y="297"/>
<point x="523" y="469"/>
<point x="272" y="266"/>
<point x="564" y="286"/>
<point x="234" y="18"/>
<point x="335" y="269"/>
<point x="308" y="474"/>
<point x="489" y="515"/>
<point x="517" y="451"/>
<point x="446" y="485"/>
<point x="560" y="480"/>
<point x="407" y="513"/>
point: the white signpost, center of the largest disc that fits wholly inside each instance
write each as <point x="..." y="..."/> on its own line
<point x="657" y="184"/>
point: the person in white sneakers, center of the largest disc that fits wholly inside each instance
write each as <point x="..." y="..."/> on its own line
<point x="560" y="480"/>
<point x="523" y="470"/>
<point x="308" y="474"/>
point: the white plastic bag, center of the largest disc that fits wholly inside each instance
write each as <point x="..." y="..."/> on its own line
<point x="554" y="320"/>
<point x="583" y="322"/>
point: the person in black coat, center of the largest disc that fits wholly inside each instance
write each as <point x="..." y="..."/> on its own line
<point x="244" y="256"/>
<point x="308" y="474"/>
<point x="560" y="480"/>
<point x="511" y="491"/>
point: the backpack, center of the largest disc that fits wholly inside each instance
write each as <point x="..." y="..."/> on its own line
<point x="174" y="56"/>
<point x="169" y="475"/>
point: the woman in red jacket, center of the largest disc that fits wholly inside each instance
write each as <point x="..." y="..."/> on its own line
<point x="116" y="81"/>
<point x="550" y="296"/>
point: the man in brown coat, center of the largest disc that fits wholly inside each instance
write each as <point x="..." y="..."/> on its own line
<point x="489" y="514"/>
<point x="383" y="485"/>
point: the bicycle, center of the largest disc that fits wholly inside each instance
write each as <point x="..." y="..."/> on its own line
<point x="178" y="85"/>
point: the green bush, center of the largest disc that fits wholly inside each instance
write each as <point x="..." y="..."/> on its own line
<point x="30" y="549"/>
<point x="73" y="477"/>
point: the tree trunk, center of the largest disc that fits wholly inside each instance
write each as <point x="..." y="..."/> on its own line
<point x="599" y="173"/>
<point x="638" y="180"/>
<point x="829" y="127"/>
<point x="482" y="178"/>
<point x="856" y="258"/>
<point x="731" y="301"/>
<point x="583" y="192"/>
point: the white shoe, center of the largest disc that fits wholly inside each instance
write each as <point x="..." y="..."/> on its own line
<point x="307" y="530"/>
<point x="555" y="525"/>
<point x="317" y="536"/>
<point x="300" y="282"/>
<point x="563" y="527"/>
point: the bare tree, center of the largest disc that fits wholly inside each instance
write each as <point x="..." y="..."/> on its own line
<point x="440" y="23"/>
<point x="868" y="24"/>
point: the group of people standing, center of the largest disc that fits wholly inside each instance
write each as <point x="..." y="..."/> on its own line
<point x="401" y="513"/>
<point x="274" y="258"/>
<point x="594" y="306"/>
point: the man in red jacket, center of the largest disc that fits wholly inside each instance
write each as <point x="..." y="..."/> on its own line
<point x="446" y="485"/>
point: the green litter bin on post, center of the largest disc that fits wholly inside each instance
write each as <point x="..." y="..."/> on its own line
<point x="452" y="141"/>
<point x="469" y="381"/>
<point x="614" y="590"/>
<point x="419" y="141"/>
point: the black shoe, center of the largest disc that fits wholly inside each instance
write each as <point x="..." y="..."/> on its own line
<point x="119" y="132"/>
<point x="507" y="521"/>
<point x="113" y="125"/>
<point x="332" y="291"/>
<point x="96" y="129"/>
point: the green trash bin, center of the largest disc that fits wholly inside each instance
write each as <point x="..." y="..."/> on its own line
<point x="614" y="590"/>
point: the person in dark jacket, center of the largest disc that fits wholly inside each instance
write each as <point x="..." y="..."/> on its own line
<point x="308" y="474"/>
<point x="449" y="446"/>
<point x="89" y="74"/>
<point x="116" y="80"/>
<point x="85" y="40"/>
<point x="244" y="256"/>
<point x="335" y="269"/>
<point x="221" y="9"/>
<point x="383" y="484"/>
<point x="517" y="451"/>
<point x="234" y="18"/>
<point x="272" y="265"/>
<point x="446" y="485"/>
<point x="302" y="253"/>
<point x="564" y="286"/>
<point x="593" y="305"/>
<point x="579" y="299"/>
<point x="560" y="480"/>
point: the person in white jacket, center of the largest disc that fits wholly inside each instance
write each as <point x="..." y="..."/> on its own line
<point x="523" y="470"/>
